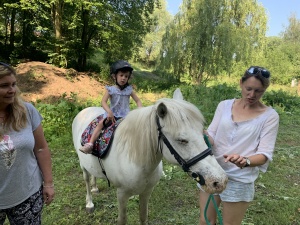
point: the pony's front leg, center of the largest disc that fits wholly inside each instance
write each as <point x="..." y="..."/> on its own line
<point x="144" y="199"/>
<point x="122" y="203"/>
<point x="89" y="200"/>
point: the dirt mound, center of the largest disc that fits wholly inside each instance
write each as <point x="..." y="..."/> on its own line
<point x="41" y="81"/>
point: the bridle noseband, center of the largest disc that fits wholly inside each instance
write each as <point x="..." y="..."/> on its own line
<point x="184" y="164"/>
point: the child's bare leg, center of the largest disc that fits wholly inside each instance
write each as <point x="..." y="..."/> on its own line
<point x="88" y="147"/>
<point x="96" y="132"/>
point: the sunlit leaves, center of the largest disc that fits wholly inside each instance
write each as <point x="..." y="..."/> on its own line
<point x="208" y="36"/>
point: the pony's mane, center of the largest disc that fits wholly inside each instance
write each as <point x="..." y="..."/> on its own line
<point x="138" y="132"/>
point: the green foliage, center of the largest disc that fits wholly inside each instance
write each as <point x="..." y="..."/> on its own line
<point x="288" y="102"/>
<point x="150" y="48"/>
<point x="151" y="82"/>
<point x="206" y="39"/>
<point x="66" y="32"/>
<point x="58" y="117"/>
<point x="208" y="98"/>
<point x="209" y="36"/>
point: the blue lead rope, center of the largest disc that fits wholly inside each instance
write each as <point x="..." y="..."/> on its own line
<point x="211" y="197"/>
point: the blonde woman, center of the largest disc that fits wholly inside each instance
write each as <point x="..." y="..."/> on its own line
<point x="25" y="160"/>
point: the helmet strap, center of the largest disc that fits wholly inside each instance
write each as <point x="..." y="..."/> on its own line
<point x="122" y="87"/>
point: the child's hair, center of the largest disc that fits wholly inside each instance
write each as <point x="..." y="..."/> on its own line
<point x="16" y="112"/>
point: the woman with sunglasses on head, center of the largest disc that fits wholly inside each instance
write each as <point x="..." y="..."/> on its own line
<point x="243" y="134"/>
<point x="26" y="181"/>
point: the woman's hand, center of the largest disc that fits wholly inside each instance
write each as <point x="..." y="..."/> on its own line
<point x="236" y="159"/>
<point x="48" y="193"/>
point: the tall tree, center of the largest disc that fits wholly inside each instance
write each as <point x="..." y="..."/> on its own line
<point x="72" y="29"/>
<point x="57" y="18"/>
<point x="150" y="48"/>
<point x="210" y="36"/>
<point x="24" y="26"/>
<point x="292" y="32"/>
<point x="291" y="46"/>
<point x="115" y="26"/>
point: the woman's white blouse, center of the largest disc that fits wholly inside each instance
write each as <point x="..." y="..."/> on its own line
<point x="246" y="138"/>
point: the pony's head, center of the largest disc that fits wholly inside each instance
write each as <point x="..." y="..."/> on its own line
<point x="180" y="126"/>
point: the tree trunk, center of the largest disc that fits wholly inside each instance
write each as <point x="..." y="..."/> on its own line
<point x="82" y="54"/>
<point x="57" y="12"/>
<point x="12" y="31"/>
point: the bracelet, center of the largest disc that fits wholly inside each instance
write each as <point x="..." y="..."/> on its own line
<point x="48" y="186"/>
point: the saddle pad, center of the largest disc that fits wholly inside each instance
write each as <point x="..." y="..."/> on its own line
<point x="102" y="144"/>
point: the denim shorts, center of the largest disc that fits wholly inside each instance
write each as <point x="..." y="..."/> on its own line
<point x="238" y="192"/>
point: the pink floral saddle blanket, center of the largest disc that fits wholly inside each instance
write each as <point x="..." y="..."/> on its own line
<point x="103" y="143"/>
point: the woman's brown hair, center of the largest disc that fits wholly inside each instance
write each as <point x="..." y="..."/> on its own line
<point x="260" y="73"/>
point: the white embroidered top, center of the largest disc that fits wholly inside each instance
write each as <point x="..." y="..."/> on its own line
<point x="119" y="100"/>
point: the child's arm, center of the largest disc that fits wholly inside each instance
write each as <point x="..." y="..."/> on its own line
<point x="136" y="99"/>
<point x="110" y="115"/>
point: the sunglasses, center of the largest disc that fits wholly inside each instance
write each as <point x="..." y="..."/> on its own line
<point x="255" y="70"/>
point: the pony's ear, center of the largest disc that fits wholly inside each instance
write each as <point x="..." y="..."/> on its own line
<point x="177" y="94"/>
<point x="162" y="110"/>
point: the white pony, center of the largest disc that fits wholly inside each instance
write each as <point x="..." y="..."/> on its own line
<point x="171" y="128"/>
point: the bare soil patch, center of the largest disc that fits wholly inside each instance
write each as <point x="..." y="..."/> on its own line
<point x="41" y="81"/>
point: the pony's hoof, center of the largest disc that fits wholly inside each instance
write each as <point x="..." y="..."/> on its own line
<point x="89" y="210"/>
<point x="95" y="190"/>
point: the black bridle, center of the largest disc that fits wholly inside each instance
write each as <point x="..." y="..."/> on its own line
<point x="184" y="164"/>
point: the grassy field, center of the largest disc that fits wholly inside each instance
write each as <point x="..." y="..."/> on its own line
<point x="175" y="198"/>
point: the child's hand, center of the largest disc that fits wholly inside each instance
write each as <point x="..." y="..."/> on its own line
<point x="110" y="117"/>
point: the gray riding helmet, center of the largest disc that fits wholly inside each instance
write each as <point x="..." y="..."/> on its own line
<point x="120" y="65"/>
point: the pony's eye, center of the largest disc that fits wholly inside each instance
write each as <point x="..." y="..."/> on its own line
<point x="182" y="141"/>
